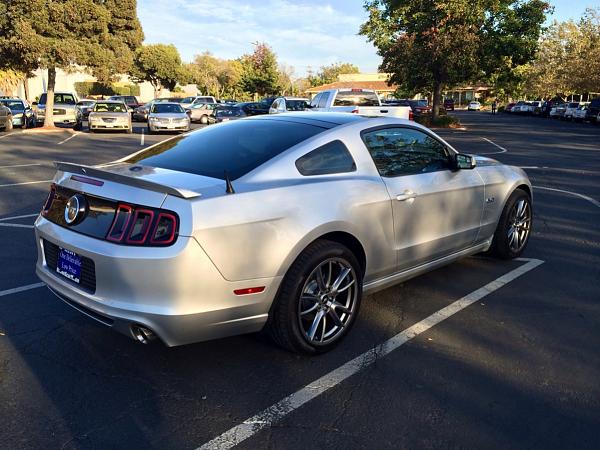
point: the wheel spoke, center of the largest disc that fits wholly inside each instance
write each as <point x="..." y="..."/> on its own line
<point x="329" y="274"/>
<point x="309" y="310"/>
<point x="339" y="307"/>
<point x="342" y="275"/>
<point x="324" y="326"/>
<point x="315" y="325"/>
<point x="335" y="318"/>
<point x="346" y="287"/>
<point x="520" y="209"/>
<point x="320" y="280"/>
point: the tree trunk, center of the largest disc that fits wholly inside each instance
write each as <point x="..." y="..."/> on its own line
<point x="26" y="87"/>
<point x="437" y="95"/>
<point x="49" y="119"/>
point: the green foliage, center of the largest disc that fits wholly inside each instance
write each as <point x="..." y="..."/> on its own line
<point x="214" y="76"/>
<point x="443" y="121"/>
<point x="259" y="72"/>
<point x="87" y="88"/>
<point x="330" y="73"/>
<point x="429" y="45"/>
<point x="160" y="64"/>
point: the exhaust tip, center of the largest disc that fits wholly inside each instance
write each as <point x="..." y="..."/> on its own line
<point x="143" y="334"/>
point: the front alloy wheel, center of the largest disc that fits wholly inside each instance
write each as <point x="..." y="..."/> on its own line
<point x="514" y="227"/>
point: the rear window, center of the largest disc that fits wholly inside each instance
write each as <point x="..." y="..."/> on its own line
<point x="295" y="105"/>
<point x="67" y="99"/>
<point x="110" y="107"/>
<point x="234" y="111"/>
<point x="237" y="147"/>
<point x="356" y="98"/>
<point x="13" y="105"/>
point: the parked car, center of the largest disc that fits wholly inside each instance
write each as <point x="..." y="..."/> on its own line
<point x="65" y="108"/>
<point x="549" y="104"/>
<point x="6" y="122"/>
<point x="449" y="104"/>
<point x="570" y="109"/>
<point x="558" y="111"/>
<point x="579" y="115"/>
<point x="130" y="100"/>
<point x="168" y="116"/>
<point x="286" y="104"/>
<point x="23" y="114"/>
<point x="86" y="106"/>
<point x="357" y="101"/>
<point x="509" y="107"/>
<point x="254" y="108"/>
<point x="227" y="230"/>
<point x="593" y="111"/>
<point x="474" y="106"/>
<point x="197" y="99"/>
<point x="522" y="107"/>
<point x="225" y="113"/>
<point x="535" y="106"/>
<point x="108" y="115"/>
<point x="203" y="112"/>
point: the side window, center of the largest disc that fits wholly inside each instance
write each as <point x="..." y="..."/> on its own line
<point x="405" y="151"/>
<point x="275" y="104"/>
<point x="323" y="99"/>
<point x="315" y="101"/>
<point x="332" y="157"/>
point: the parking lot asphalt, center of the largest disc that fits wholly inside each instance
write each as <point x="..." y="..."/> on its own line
<point x="518" y="368"/>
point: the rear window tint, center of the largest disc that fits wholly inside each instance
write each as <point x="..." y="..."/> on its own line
<point x="356" y="98"/>
<point x="237" y="147"/>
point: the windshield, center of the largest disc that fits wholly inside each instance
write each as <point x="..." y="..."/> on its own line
<point x="188" y="100"/>
<point x="110" y="107"/>
<point x="167" y="108"/>
<point x="236" y="147"/>
<point x="296" y="105"/>
<point x="356" y="98"/>
<point x="13" y="105"/>
<point x="65" y="99"/>
<point x="229" y="111"/>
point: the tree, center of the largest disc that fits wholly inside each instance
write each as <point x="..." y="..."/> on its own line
<point x="160" y="64"/>
<point x="330" y="73"/>
<point x="52" y="34"/>
<point x="434" y="44"/>
<point x="259" y="71"/>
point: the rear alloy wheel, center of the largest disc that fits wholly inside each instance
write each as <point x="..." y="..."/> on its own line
<point x="514" y="227"/>
<point x="318" y="300"/>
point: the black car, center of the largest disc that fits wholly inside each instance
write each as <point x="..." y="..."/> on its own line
<point x="548" y="105"/>
<point x="254" y="108"/>
<point x="224" y="113"/>
<point x="593" y="110"/>
<point x="22" y="114"/>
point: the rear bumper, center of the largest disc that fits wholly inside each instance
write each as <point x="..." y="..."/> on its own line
<point x="174" y="291"/>
<point x="109" y="126"/>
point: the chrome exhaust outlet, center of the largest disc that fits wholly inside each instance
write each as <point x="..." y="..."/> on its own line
<point x="142" y="334"/>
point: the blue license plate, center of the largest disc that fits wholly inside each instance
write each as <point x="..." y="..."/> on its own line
<point x="69" y="264"/>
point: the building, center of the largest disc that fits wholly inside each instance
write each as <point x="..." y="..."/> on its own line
<point x="374" y="81"/>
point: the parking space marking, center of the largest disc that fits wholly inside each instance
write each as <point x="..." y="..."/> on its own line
<point x="6" y="135"/>
<point x="24" y="216"/>
<point x="69" y="138"/>
<point x="27" y="182"/>
<point x="502" y="149"/>
<point x="576" y="194"/>
<point x="15" y="225"/>
<point x="19" y="165"/>
<point x="27" y="287"/>
<point x="279" y="410"/>
<point x="142" y="138"/>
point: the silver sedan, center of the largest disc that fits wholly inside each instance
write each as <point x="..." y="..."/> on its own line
<point x="167" y="116"/>
<point x="107" y="115"/>
<point x="280" y="221"/>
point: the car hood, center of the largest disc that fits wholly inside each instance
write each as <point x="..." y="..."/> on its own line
<point x="483" y="161"/>
<point x="169" y="116"/>
<point x="108" y="114"/>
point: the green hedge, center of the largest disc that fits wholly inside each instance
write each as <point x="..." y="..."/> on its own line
<point x="87" y="88"/>
<point x="441" y="122"/>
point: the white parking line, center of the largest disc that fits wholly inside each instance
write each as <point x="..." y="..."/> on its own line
<point x="19" y="165"/>
<point x="142" y="138"/>
<point x="279" y="410"/>
<point x="24" y="216"/>
<point x="6" y="135"/>
<point x="576" y="194"/>
<point x="502" y="149"/>
<point x="28" y="182"/>
<point x="27" y="287"/>
<point x="69" y="138"/>
<point x="15" y="225"/>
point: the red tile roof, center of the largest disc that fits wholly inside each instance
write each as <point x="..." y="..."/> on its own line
<point x="380" y="86"/>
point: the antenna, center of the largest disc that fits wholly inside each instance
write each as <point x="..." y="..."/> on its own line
<point x="229" y="186"/>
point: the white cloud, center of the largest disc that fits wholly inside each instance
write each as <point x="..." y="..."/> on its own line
<point x="303" y="34"/>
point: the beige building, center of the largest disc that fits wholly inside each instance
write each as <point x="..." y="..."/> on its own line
<point x="374" y="81"/>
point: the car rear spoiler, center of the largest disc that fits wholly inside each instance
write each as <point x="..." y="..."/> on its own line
<point x="124" y="179"/>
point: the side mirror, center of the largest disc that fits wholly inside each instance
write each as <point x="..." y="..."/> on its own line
<point x="464" y="162"/>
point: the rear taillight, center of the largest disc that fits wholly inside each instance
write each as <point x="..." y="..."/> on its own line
<point x="143" y="226"/>
<point x="354" y="111"/>
<point x="411" y="115"/>
<point x="49" y="200"/>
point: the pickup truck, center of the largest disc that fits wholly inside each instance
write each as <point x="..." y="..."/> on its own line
<point x="65" y="108"/>
<point x="357" y="101"/>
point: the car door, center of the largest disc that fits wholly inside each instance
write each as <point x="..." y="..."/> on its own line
<point x="437" y="210"/>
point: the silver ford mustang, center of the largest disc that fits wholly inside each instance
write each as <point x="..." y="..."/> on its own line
<point x="280" y="222"/>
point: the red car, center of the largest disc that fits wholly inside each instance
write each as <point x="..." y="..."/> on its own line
<point x="508" y="108"/>
<point x="449" y="104"/>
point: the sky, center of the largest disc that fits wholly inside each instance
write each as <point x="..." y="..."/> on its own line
<point x="305" y="34"/>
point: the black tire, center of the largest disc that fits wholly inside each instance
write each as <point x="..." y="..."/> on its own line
<point x="9" y="126"/>
<point x="150" y="130"/>
<point x="204" y="119"/>
<point x="286" y="324"/>
<point x="77" y="126"/>
<point x="502" y="245"/>
<point x="129" y="130"/>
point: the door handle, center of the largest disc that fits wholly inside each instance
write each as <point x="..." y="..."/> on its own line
<point x="406" y="195"/>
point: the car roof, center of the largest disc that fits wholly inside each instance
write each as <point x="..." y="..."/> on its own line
<point x="168" y="103"/>
<point x="294" y="98"/>
<point x="116" y="102"/>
